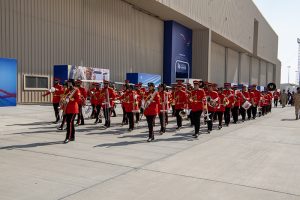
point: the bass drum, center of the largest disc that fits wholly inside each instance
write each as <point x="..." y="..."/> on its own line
<point x="246" y="105"/>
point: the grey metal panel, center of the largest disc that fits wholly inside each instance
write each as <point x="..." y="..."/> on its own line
<point x="201" y="54"/>
<point x="233" y="65"/>
<point x="245" y="69"/>
<point x="270" y="73"/>
<point x="255" y="71"/>
<point x="217" y="64"/>
<point x="102" y="33"/>
<point x="263" y="73"/>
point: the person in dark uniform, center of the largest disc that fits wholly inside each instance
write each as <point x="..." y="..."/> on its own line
<point x="71" y="109"/>
<point x="58" y="91"/>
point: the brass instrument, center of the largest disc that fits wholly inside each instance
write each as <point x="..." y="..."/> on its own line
<point x="225" y="102"/>
<point x="205" y="113"/>
<point x="212" y="102"/>
<point x="65" y="100"/>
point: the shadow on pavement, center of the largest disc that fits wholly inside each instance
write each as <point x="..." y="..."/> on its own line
<point x="24" y="146"/>
<point x="32" y="124"/>
<point x="288" y="120"/>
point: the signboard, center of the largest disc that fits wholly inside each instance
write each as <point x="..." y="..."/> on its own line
<point x="177" y="52"/>
<point x="8" y="82"/>
<point x="143" y="78"/>
<point x="65" y="72"/>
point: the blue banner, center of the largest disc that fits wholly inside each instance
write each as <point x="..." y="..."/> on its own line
<point x="177" y="52"/>
<point x="143" y="78"/>
<point x="8" y="82"/>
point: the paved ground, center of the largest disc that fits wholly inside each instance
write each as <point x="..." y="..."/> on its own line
<point x="258" y="159"/>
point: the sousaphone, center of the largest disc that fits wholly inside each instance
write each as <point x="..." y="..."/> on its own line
<point x="271" y="87"/>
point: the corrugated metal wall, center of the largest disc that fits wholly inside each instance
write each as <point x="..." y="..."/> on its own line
<point x="255" y="71"/>
<point x="245" y="69"/>
<point x="263" y="73"/>
<point x="217" y="74"/>
<point x="201" y="54"/>
<point x="103" y="33"/>
<point x="233" y="66"/>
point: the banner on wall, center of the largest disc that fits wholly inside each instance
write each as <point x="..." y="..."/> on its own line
<point x="8" y="82"/>
<point x="143" y="78"/>
<point x="65" y="72"/>
<point x="177" y="52"/>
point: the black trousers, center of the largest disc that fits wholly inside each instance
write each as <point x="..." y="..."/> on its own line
<point x="220" y="117"/>
<point x="254" y="111"/>
<point x="173" y="111"/>
<point x="137" y="117"/>
<point x="163" y="119"/>
<point x="150" y="121"/>
<point x="249" y="112"/>
<point x="56" y="111"/>
<point x="106" y="112"/>
<point x="243" y="113"/>
<point x="210" y="122"/>
<point x="125" y="118"/>
<point x="93" y="111"/>
<point x="227" y="115"/>
<point x="195" y="116"/>
<point x="178" y="117"/>
<point x="235" y="113"/>
<point x="113" y="112"/>
<point x="190" y="116"/>
<point x="70" y="126"/>
<point x="275" y="102"/>
<point x="80" y="118"/>
<point x="131" y="119"/>
<point x="97" y="115"/>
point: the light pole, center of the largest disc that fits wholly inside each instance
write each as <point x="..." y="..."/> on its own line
<point x="289" y="67"/>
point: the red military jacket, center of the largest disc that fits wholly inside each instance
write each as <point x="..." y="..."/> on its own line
<point x="97" y="97"/>
<point x="107" y="97"/>
<point x="221" y="107"/>
<point x="152" y="109"/>
<point x="181" y="99"/>
<point x="59" y="91"/>
<point x="255" y="97"/>
<point x="197" y="99"/>
<point x="83" y="95"/>
<point x="130" y="101"/>
<point x="164" y="101"/>
<point x="238" y="99"/>
<point x="276" y="95"/>
<point x="247" y="96"/>
<point x="92" y="96"/>
<point x="229" y="94"/>
<point x="214" y="96"/>
<point x="72" y="105"/>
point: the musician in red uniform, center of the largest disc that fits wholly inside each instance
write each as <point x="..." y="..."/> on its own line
<point x="123" y="90"/>
<point x="197" y="99"/>
<point x="255" y="98"/>
<point x="107" y="98"/>
<point x="64" y="116"/>
<point x="276" y="95"/>
<point x="270" y="98"/>
<point x="91" y="94"/>
<point x="221" y="109"/>
<point x="130" y="102"/>
<point x="213" y="102"/>
<point x="140" y="93"/>
<point x="246" y="97"/>
<point x="229" y="94"/>
<point x="71" y="109"/>
<point x="181" y="100"/>
<point x="151" y="108"/>
<point x="98" y="103"/>
<point x="163" y="108"/>
<point x="81" y="103"/>
<point x="58" y="91"/>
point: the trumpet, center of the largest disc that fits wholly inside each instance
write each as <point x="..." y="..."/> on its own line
<point x="225" y="101"/>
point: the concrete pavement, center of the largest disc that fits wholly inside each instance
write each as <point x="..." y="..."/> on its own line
<point x="258" y="159"/>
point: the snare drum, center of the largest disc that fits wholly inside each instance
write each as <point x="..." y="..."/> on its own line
<point x="246" y="105"/>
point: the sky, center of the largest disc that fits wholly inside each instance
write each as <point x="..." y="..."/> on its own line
<point x="284" y="17"/>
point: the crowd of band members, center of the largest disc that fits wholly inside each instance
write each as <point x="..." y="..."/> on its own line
<point x="136" y="101"/>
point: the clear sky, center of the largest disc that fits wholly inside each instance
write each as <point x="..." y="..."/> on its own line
<point x="284" y="17"/>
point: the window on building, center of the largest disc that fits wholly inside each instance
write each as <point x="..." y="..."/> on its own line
<point x="32" y="82"/>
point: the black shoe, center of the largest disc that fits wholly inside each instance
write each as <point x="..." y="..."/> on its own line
<point x="195" y="135"/>
<point x="161" y="132"/>
<point x="149" y="140"/>
<point x="178" y="128"/>
<point x="208" y="131"/>
<point x="227" y="125"/>
<point x="60" y="128"/>
<point x="55" y="122"/>
<point x="66" y="141"/>
<point x="72" y="139"/>
<point x="219" y="127"/>
<point x="130" y="129"/>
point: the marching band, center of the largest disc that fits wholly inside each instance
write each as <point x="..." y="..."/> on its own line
<point x="203" y="99"/>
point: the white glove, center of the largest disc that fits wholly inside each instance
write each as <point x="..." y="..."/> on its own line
<point x="67" y="100"/>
